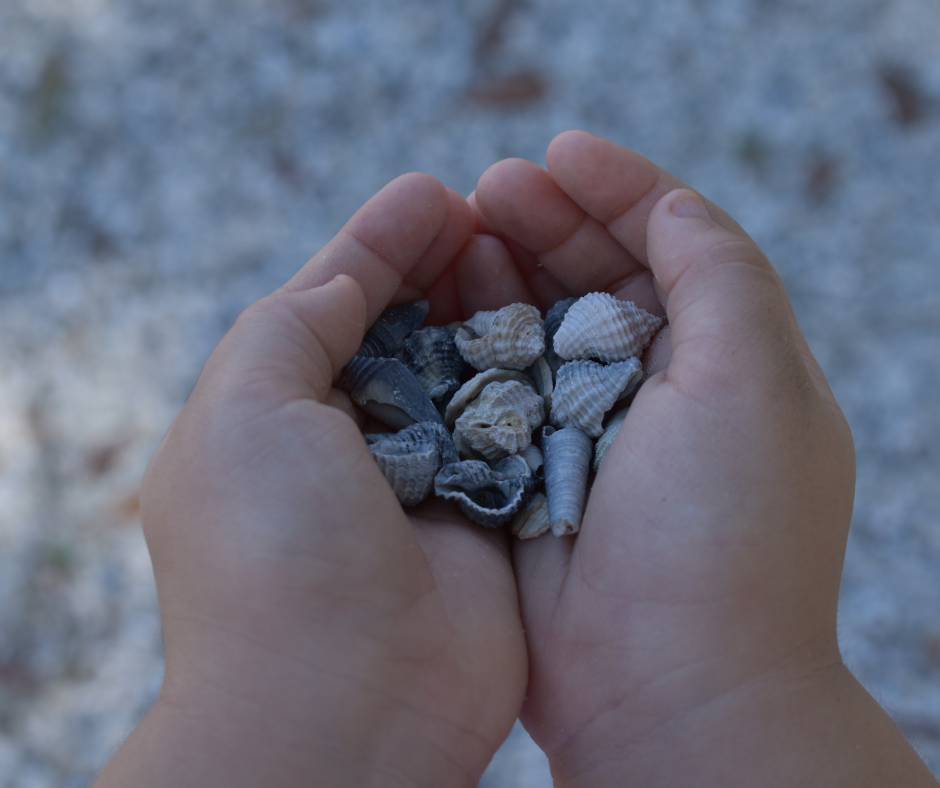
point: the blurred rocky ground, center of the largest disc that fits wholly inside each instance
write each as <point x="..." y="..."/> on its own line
<point x="165" y="162"/>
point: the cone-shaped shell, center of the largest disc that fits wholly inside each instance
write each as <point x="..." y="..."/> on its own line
<point x="388" y="391"/>
<point x="432" y="355"/>
<point x="509" y="338"/>
<point x="470" y="390"/>
<point x="488" y="496"/>
<point x="411" y="458"/>
<point x="500" y="421"/>
<point x="599" y="326"/>
<point x="604" y="442"/>
<point x="553" y="319"/>
<point x="387" y="334"/>
<point x="533" y="520"/>
<point x="586" y="390"/>
<point x="567" y="456"/>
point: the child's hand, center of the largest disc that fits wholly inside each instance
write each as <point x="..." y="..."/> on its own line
<point x="314" y="635"/>
<point x="687" y="636"/>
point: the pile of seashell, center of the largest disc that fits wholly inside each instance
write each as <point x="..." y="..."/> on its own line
<point x="472" y="442"/>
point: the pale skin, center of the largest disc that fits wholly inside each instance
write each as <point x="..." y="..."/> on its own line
<point x="317" y="634"/>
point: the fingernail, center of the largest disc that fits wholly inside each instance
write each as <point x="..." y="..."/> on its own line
<point x="689" y="206"/>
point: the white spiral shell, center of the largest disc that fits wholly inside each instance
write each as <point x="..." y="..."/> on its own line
<point x="600" y="326"/>
<point x="586" y="390"/>
<point x="509" y="338"/>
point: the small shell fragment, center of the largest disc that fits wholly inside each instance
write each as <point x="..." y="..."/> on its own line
<point x="384" y="339"/>
<point x="411" y="458"/>
<point x="387" y="390"/>
<point x="586" y="390"/>
<point x="509" y="338"/>
<point x="602" y="327"/>
<point x="500" y="421"/>
<point x="488" y="496"/>
<point x="543" y="378"/>
<point x="611" y="428"/>
<point x="567" y="456"/>
<point x="532" y="521"/>
<point x="553" y="319"/>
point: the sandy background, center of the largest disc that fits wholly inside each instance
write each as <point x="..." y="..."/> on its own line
<point x="165" y="162"/>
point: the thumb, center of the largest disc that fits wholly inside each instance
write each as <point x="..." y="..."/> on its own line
<point x="727" y="307"/>
<point x="290" y="345"/>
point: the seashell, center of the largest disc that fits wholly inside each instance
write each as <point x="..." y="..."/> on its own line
<point x="470" y="390"/>
<point x="387" y="334"/>
<point x="567" y="456"/>
<point x="411" y="458"/>
<point x="553" y="319"/>
<point x="386" y="389"/>
<point x="509" y="338"/>
<point x="599" y="326"/>
<point x="543" y="377"/>
<point x="611" y="428"/>
<point x="533" y="455"/>
<point x="533" y="520"/>
<point x="586" y="390"/>
<point x="432" y="355"/>
<point x="500" y="421"/>
<point x="488" y="496"/>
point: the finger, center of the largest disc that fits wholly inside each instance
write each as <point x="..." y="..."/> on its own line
<point x="291" y="345"/>
<point x="616" y="186"/>
<point x="487" y="277"/>
<point x="523" y="202"/>
<point x="729" y="314"/>
<point x="541" y="570"/>
<point x="386" y="238"/>
<point x="545" y="287"/>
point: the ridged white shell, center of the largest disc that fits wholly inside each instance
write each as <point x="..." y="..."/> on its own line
<point x="599" y="326"/>
<point x="470" y="390"/>
<point x="411" y="458"/>
<point x="604" y="442"/>
<point x="488" y="496"/>
<point x="533" y="520"/>
<point x="586" y="390"/>
<point x="509" y="338"/>
<point x="500" y="421"/>
<point x="567" y="456"/>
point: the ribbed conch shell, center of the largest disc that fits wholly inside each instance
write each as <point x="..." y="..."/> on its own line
<point x="604" y="442"/>
<point x="488" y="496"/>
<point x="599" y="326"/>
<point x="500" y="421"/>
<point x="470" y="390"/>
<point x="567" y="456"/>
<point x="387" y="334"/>
<point x="543" y="378"/>
<point x="586" y="390"/>
<point x="387" y="390"/>
<point x="411" y="458"/>
<point x="432" y="355"/>
<point x="553" y="318"/>
<point x="509" y="338"/>
<point x="533" y="520"/>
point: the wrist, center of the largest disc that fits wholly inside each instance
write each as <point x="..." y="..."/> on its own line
<point x="816" y="727"/>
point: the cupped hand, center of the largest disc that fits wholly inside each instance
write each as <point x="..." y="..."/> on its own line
<point x="315" y="634"/>
<point x="710" y="553"/>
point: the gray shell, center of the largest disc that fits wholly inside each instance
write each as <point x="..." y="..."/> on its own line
<point x="387" y="334"/>
<point x="553" y="319"/>
<point x="533" y="520"/>
<point x="509" y="338"/>
<point x="599" y="326"/>
<point x="604" y="442"/>
<point x="387" y="390"/>
<point x="567" y="456"/>
<point x="432" y="355"/>
<point x="411" y="458"/>
<point x="586" y="390"/>
<point x="470" y="390"/>
<point x="500" y="421"/>
<point x="488" y="496"/>
<point x="543" y="378"/>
